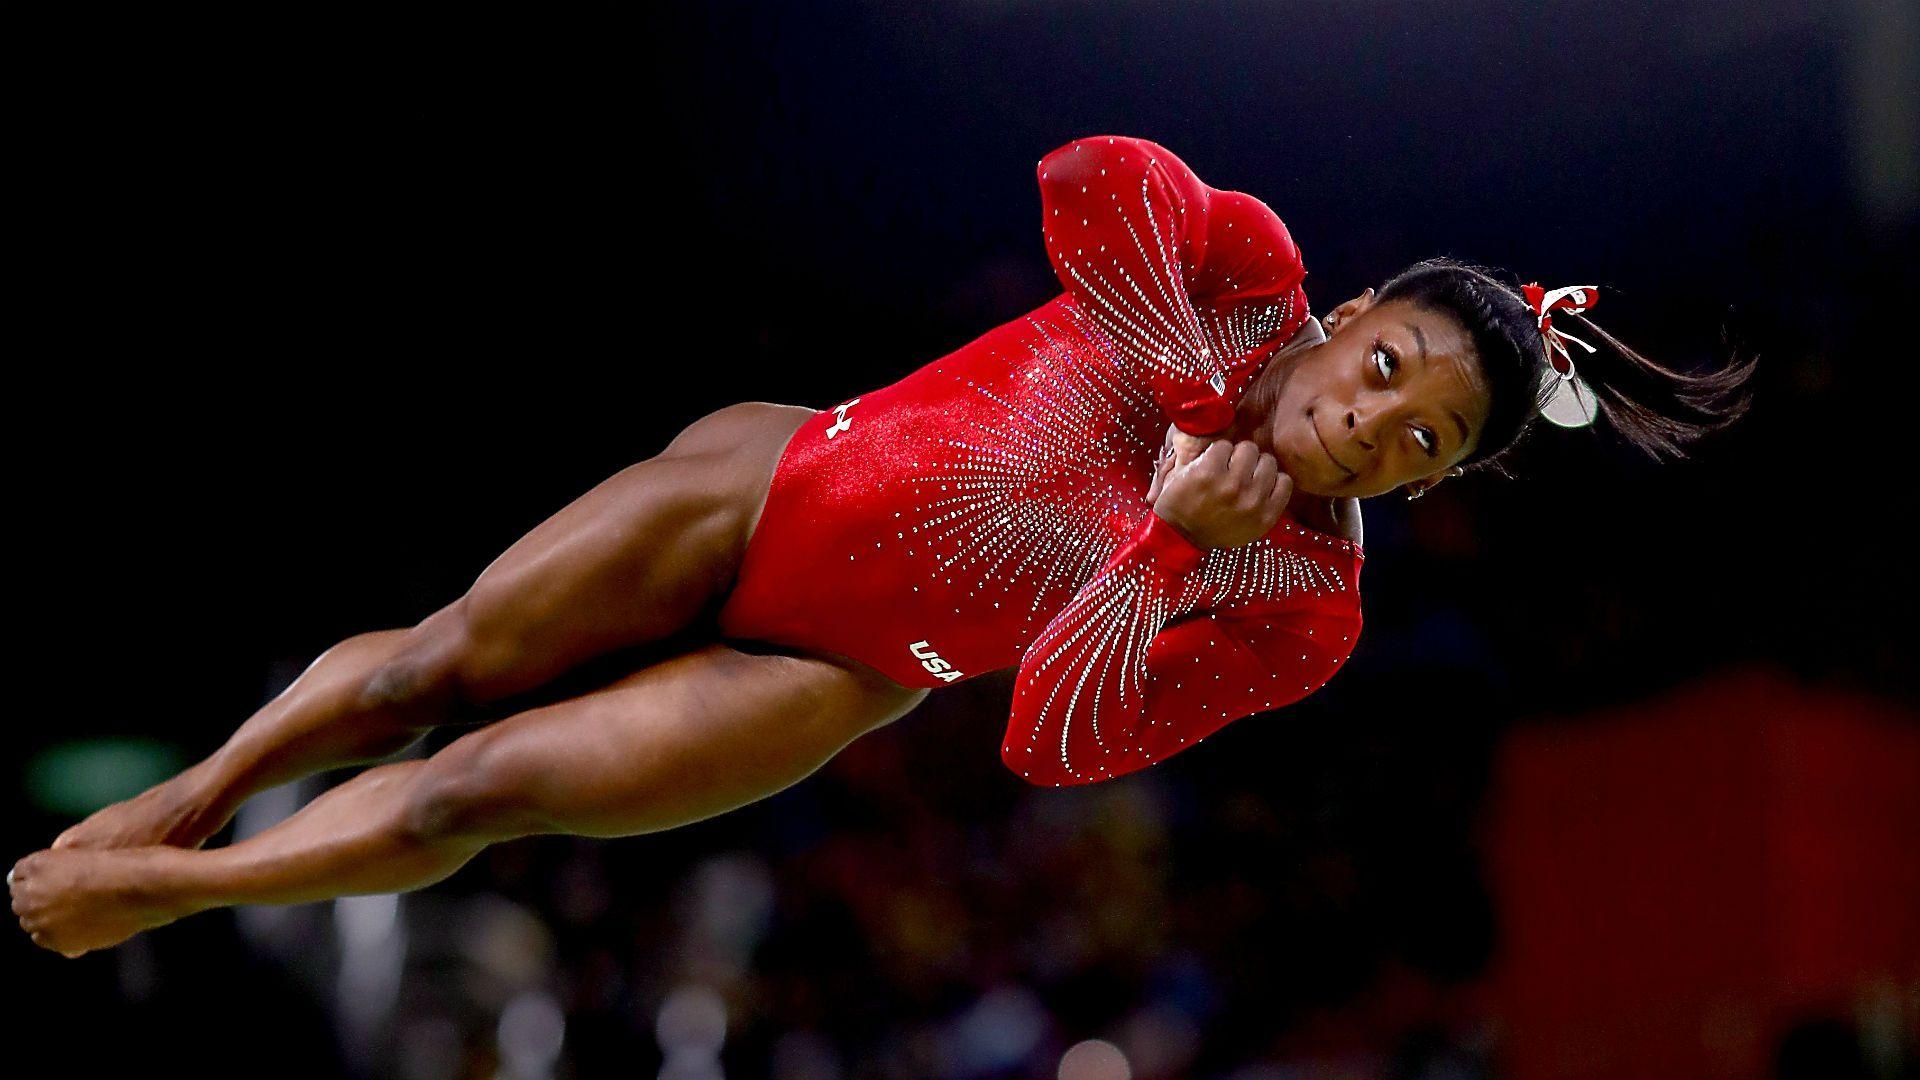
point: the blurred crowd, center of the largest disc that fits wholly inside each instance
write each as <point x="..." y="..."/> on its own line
<point x="914" y="910"/>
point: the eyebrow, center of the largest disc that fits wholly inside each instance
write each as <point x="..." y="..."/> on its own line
<point x="1420" y="339"/>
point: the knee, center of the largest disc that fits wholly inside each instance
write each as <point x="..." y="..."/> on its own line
<point x="470" y="792"/>
<point x="405" y="684"/>
<point x="431" y="672"/>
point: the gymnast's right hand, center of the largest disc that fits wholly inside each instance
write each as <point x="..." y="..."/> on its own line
<point x="1219" y="493"/>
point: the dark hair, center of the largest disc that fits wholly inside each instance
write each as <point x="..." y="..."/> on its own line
<point x="1658" y="410"/>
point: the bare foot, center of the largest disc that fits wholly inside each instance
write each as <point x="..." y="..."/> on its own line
<point x="174" y="812"/>
<point x="77" y="900"/>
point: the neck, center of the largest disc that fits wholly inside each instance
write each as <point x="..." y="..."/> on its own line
<point x="1253" y="412"/>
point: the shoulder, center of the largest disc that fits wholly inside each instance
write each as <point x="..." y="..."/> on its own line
<point x="1252" y="213"/>
<point x="1092" y="157"/>
<point x="1250" y="253"/>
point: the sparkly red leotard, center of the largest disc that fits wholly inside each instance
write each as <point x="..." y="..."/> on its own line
<point x="988" y="510"/>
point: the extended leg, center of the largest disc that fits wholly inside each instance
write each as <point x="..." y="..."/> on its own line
<point x="682" y="740"/>
<point x="631" y="562"/>
<point x="338" y="712"/>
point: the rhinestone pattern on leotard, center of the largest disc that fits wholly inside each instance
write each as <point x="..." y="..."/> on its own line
<point x="988" y="509"/>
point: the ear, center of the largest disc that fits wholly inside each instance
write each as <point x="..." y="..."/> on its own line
<point x="1346" y="312"/>
<point x="1428" y="483"/>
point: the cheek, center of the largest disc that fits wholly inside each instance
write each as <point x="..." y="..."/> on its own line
<point x="1318" y="386"/>
<point x="1401" y="470"/>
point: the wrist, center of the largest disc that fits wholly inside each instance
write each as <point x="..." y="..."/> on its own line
<point x="1167" y="545"/>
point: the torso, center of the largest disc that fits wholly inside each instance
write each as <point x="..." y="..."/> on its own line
<point x="746" y="441"/>
<point x="941" y="522"/>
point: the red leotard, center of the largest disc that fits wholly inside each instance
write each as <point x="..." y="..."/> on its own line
<point x="988" y="509"/>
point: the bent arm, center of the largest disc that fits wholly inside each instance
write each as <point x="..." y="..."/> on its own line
<point x="1187" y="281"/>
<point x="1133" y="670"/>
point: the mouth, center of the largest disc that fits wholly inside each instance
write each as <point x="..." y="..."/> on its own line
<point x="1323" y="447"/>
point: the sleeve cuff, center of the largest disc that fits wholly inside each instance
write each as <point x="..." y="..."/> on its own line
<point x="1207" y="412"/>
<point x="1167" y="547"/>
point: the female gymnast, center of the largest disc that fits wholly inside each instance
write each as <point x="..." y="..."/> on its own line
<point x="1144" y="493"/>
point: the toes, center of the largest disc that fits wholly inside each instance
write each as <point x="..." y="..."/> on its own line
<point x="40" y="939"/>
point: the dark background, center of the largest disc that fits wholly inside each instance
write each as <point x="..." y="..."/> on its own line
<point x="321" y="311"/>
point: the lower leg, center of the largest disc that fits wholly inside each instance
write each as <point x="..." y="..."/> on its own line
<point x="356" y="838"/>
<point x="353" y="705"/>
<point x="347" y="708"/>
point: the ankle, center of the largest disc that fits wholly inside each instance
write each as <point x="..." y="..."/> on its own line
<point x="217" y="786"/>
<point x="156" y="878"/>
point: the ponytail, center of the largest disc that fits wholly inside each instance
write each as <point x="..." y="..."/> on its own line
<point x="1658" y="410"/>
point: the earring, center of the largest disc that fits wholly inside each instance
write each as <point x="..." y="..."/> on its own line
<point x="1416" y="493"/>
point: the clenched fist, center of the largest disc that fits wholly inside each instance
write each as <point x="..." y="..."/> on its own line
<point x="1218" y="493"/>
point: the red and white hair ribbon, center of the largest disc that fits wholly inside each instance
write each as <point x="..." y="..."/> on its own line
<point x="1571" y="404"/>
<point x="1565" y="298"/>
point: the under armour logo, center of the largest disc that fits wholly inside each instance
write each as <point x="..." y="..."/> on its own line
<point x="842" y="423"/>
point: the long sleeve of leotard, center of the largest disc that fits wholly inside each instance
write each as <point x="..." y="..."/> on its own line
<point x="1184" y="279"/>
<point x="1131" y="671"/>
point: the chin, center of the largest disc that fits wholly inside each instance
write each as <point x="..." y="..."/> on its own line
<point x="1309" y="477"/>
<point x="1319" y="486"/>
<point x="1321" y="490"/>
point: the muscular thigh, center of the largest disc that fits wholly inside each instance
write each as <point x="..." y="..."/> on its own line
<point x="683" y="739"/>
<point x="634" y="560"/>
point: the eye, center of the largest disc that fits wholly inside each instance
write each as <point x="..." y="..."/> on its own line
<point x="1428" y="441"/>
<point x="1383" y="356"/>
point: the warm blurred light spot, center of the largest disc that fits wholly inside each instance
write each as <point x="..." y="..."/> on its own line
<point x="78" y="778"/>
<point x="1095" y="1059"/>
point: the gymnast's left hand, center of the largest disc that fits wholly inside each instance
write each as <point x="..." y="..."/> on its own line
<point x="1217" y="492"/>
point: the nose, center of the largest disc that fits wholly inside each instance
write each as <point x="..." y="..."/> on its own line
<point x="1359" y="434"/>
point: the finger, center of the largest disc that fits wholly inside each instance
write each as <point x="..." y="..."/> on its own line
<point x="1266" y="472"/>
<point x="1216" y="457"/>
<point x="1159" y="479"/>
<point x="1246" y="454"/>
<point x="1186" y="447"/>
<point x="1282" y="495"/>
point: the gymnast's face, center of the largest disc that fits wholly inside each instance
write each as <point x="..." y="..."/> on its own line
<point x="1393" y="397"/>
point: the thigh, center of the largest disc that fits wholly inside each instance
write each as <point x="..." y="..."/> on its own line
<point x="633" y="561"/>
<point x="677" y="741"/>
